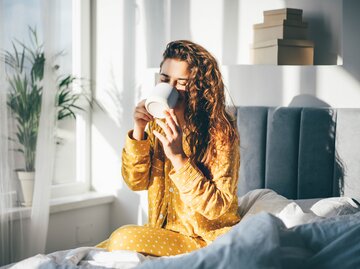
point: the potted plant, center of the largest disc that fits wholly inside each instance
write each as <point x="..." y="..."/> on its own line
<point x="24" y="73"/>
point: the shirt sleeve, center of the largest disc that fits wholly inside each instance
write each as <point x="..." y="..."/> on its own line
<point x="136" y="161"/>
<point x="210" y="198"/>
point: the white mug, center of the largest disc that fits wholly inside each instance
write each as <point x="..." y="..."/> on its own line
<point x="162" y="97"/>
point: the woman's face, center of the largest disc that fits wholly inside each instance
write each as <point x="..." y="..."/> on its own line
<point x="175" y="73"/>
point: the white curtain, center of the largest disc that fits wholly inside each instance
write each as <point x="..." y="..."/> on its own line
<point x="6" y="179"/>
<point x="6" y="168"/>
<point x="45" y="147"/>
<point x="23" y="231"/>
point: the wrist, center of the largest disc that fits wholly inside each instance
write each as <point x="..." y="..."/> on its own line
<point x="179" y="161"/>
<point x="138" y="133"/>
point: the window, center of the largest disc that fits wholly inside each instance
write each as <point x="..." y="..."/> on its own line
<point x="72" y="27"/>
<point x="72" y="167"/>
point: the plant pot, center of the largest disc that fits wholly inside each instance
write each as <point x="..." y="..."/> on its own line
<point x="27" y="180"/>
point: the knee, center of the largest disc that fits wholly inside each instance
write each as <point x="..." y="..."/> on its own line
<point x="121" y="238"/>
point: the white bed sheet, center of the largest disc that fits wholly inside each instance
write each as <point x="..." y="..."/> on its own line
<point x="83" y="257"/>
<point x="291" y="212"/>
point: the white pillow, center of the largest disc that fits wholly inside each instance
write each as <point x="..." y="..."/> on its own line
<point x="289" y="211"/>
<point x="259" y="200"/>
<point x="335" y="206"/>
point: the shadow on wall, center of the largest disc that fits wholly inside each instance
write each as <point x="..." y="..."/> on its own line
<point x="351" y="23"/>
<point x="308" y="80"/>
<point x="230" y="31"/>
<point x="155" y="19"/>
<point x="250" y="83"/>
<point x="321" y="34"/>
<point x="307" y="100"/>
<point x="331" y="42"/>
<point x="325" y="20"/>
<point x="180" y="21"/>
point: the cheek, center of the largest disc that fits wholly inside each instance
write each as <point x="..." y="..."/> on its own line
<point x="182" y="94"/>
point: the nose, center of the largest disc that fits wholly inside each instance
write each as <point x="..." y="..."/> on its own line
<point x="173" y="82"/>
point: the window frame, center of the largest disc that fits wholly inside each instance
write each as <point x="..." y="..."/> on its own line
<point x="81" y="68"/>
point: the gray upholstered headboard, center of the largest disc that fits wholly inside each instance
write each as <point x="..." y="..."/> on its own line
<point x="300" y="152"/>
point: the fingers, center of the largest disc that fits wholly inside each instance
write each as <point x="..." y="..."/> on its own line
<point x="171" y="127"/>
<point x="141" y="116"/>
<point x="142" y="103"/>
<point x="162" y="138"/>
<point x="142" y="113"/>
<point x="167" y="130"/>
<point x="174" y="118"/>
<point x="171" y="123"/>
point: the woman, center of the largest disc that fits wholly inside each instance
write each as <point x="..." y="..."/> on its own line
<point x="188" y="162"/>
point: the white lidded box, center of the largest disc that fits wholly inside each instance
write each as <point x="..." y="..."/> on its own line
<point x="287" y="29"/>
<point x="278" y="15"/>
<point x="284" y="52"/>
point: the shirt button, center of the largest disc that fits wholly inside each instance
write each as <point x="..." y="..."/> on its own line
<point x="161" y="216"/>
<point x="171" y="190"/>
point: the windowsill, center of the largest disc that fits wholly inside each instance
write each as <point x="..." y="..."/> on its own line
<point x="67" y="203"/>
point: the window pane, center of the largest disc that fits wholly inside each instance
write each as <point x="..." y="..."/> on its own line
<point x="18" y="16"/>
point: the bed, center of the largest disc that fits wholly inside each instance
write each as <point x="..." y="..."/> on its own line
<point x="299" y="191"/>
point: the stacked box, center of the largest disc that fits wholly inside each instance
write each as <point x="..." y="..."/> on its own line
<point x="279" y="15"/>
<point x="286" y="29"/>
<point x="284" y="52"/>
<point x="282" y="39"/>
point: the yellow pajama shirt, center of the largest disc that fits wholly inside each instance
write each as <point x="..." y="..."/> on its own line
<point x="187" y="210"/>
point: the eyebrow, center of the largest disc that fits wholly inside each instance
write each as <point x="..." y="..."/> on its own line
<point x="165" y="75"/>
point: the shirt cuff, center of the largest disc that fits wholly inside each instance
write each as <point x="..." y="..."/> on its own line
<point x="137" y="147"/>
<point x="187" y="176"/>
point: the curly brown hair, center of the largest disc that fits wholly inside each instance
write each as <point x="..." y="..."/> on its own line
<point x="207" y="120"/>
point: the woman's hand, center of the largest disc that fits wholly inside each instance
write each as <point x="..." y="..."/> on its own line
<point x="172" y="141"/>
<point x="141" y="117"/>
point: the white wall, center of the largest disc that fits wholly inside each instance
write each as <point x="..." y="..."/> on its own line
<point x="125" y="27"/>
<point x="80" y="227"/>
<point x="337" y="85"/>
<point x="116" y="90"/>
<point x="68" y="229"/>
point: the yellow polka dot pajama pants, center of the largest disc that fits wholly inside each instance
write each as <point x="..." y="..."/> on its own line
<point x="151" y="241"/>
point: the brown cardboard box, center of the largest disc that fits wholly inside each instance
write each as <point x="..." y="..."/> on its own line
<point x="278" y="15"/>
<point x="287" y="29"/>
<point x="284" y="52"/>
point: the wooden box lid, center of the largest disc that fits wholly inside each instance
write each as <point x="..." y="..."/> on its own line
<point x="292" y="23"/>
<point x="283" y="11"/>
<point x="284" y="42"/>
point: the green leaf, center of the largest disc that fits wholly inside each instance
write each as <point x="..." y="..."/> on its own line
<point x="24" y="73"/>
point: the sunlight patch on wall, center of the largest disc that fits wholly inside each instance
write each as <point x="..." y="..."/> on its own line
<point x="337" y="87"/>
<point x="109" y="57"/>
<point x="106" y="174"/>
<point x="291" y="83"/>
<point x="206" y="26"/>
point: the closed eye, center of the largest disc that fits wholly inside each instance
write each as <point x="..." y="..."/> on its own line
<point x="182" y="83"/>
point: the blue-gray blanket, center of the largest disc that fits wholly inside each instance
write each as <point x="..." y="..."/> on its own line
<point x="263" y="241"/>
